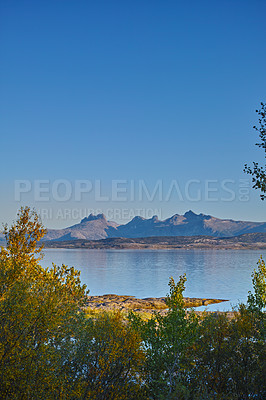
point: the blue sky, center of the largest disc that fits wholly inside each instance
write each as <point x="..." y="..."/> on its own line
<point x="130" y="91"/>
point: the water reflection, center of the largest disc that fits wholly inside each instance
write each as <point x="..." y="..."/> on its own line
<point x="143" y="273"/>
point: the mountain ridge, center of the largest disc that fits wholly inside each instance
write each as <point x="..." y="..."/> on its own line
<point x="243" y="242"/>
<point x="97" y="227"/>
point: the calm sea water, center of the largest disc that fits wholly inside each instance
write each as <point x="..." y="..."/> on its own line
<point x="224" y="274"/>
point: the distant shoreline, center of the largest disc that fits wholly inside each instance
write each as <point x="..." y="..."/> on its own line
<point x="251" y="241"/>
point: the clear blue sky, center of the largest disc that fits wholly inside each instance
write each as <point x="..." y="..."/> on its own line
<point x="133" y="91"/>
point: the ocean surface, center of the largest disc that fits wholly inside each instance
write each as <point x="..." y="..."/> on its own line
<point x="223" y="274"/>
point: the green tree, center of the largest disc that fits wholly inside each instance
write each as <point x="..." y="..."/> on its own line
<point x="38" y="311"/>
<point x="108" y="360"/>
<point x="48" y="348"/>
<point x="259" y="172"/>
<point x="256" y="304"/>
<point x="166" y="339"/>
<point x="229" y="351"/>
<point x="247" y="360"/>
<point x="229" y="358"/>
<point x="209" y="375"/>
<point x="257" y="300"/>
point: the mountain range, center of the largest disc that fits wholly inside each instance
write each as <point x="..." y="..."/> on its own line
<point x="96" y="227"/>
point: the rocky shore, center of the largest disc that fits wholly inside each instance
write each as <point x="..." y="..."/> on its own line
<point x="109" y="302"/>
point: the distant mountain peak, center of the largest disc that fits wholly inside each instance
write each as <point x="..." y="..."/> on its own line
<point x="191" y="214"/>
<point x="138" y="218"/>
<point x="175" y="216"/>
<point x="92" y="217"/>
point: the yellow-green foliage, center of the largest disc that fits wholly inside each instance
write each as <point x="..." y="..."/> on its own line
<point x="43" y="330"/>
<point x="257" y="300"/>
<point x="37" y="306"/>
<point x="109" y="359"/>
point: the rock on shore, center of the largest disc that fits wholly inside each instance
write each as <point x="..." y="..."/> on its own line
<point x="109" y="302"/>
